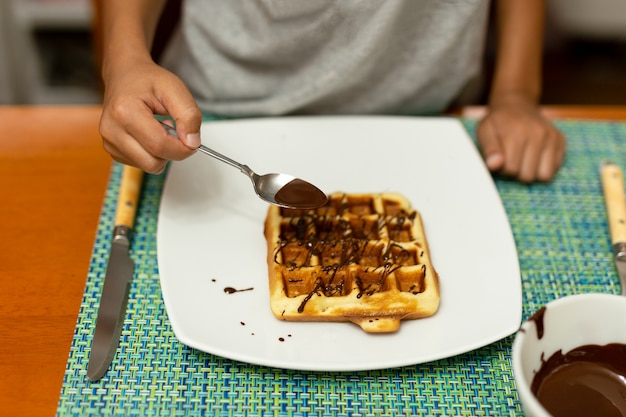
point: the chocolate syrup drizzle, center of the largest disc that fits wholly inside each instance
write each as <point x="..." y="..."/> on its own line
<point x="231" y="290"/>
<point x="325" y="234"/>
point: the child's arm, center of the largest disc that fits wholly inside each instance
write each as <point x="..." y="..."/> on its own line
<point x="516" y="140"/>
<point x="136" y="88"/>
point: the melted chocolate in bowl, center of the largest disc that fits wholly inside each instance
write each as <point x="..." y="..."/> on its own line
<point x="300" y="194"/>
<point x="589" y="380"/>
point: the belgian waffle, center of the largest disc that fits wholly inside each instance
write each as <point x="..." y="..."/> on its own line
<point x="362" y="258"/>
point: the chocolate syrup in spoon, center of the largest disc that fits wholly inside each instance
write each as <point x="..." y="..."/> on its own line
<point x="300" y="194"/>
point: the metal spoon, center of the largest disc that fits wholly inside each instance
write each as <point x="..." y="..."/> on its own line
<point x="279" y="189"/>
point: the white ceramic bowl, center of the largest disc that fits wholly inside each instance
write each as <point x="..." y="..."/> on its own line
<point x="569" y="322"/>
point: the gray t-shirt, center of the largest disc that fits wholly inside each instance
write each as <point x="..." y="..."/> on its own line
<point x="276" y="57"/>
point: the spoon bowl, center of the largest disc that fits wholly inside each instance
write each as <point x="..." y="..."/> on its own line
<point x="279" y="189"/>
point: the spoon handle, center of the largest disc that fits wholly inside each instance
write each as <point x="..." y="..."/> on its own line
<point x="208" y="151"/>
<point x="243" y="168"/>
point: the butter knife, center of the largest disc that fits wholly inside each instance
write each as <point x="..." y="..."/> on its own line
<point x="119" y="275"/>
<point x="615" y="200"/>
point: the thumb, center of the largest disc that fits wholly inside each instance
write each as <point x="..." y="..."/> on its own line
<point x="182" y="107"/>
<point x="490" y="145"/>
<point x="188" y="126"/>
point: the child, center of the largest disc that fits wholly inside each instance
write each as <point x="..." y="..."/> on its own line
<point x="281" y="57"/>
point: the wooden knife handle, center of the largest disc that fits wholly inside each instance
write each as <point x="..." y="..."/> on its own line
<point x="615" y="200"/>
<point x="130" y="188"/>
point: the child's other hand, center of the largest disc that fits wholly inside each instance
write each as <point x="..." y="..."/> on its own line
<point x="518" y="141"/>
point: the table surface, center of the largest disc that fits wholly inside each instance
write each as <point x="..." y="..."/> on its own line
<point x="53" y="176"/>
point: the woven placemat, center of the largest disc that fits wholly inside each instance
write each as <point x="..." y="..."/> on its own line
<point x="563" y="245"/>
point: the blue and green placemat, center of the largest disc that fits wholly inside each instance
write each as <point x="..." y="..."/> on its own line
<point x="563" y="245"/>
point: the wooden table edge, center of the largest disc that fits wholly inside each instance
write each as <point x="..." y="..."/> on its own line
<point x="617" y="113"/>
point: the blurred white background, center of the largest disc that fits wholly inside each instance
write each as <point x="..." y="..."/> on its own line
<point x="47" y="54"/>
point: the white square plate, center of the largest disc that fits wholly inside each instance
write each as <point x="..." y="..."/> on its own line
<point x="210" y="238"/>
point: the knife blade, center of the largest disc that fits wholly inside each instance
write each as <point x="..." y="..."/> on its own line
<point x="119" y="274"/>
<point x="615" y="201"/>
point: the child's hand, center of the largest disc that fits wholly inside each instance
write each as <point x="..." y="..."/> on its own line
<point x="518" y="141"/>
<point x="134" y="92"/>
